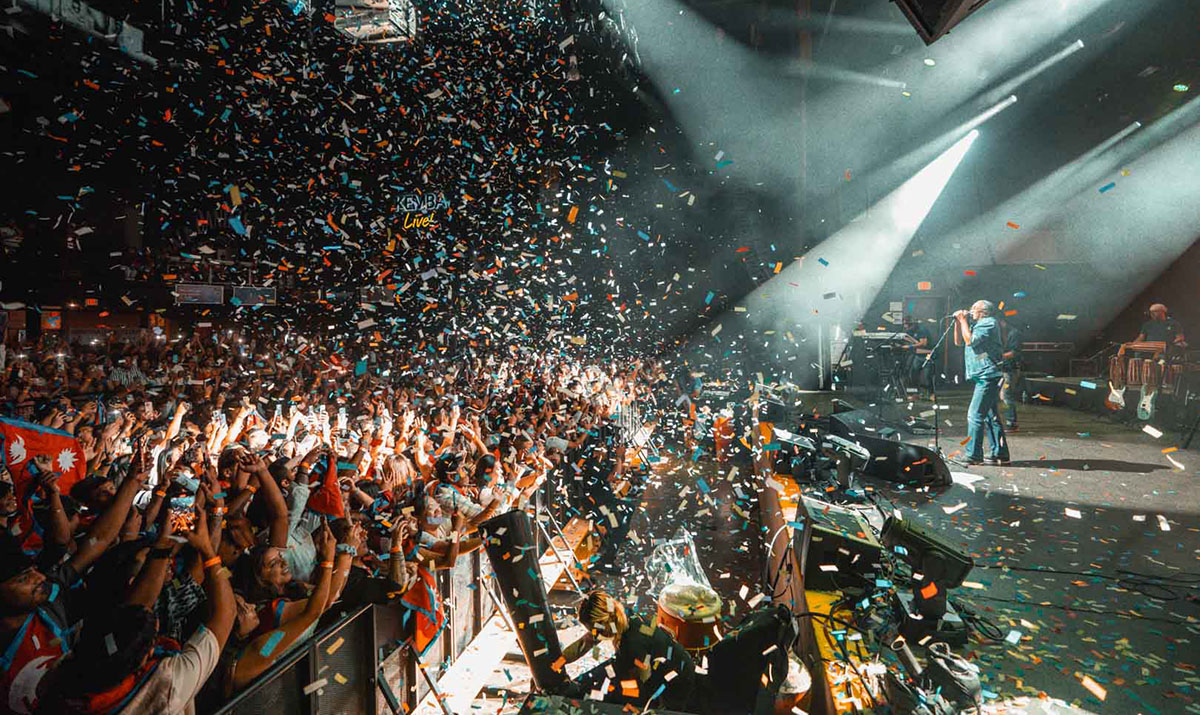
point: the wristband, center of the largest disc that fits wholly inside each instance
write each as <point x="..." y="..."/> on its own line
<point x="214" y="561"/>
<point x="163" y="553"/>
<point x="325" y="564"/>
<point x="347" y="549"/>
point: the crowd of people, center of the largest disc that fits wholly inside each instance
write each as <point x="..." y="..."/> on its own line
<point x="231" y="489"/>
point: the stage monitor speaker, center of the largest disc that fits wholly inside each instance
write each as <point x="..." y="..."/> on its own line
<point x="510" y="546"/>
<point x="928" y="552"/>
<point x="841" y="550"/>
<point x="891" y="460"/>
<point x="935" y="18"/>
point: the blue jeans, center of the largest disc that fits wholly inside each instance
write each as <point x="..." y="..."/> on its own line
<point x="983" y="416"/>
<point x="1013" y="391"/>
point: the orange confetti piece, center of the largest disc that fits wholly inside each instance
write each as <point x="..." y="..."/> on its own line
<point x="925" y="285"/>
<point x="1012" y="225"/>
<point x="571" y="216"/>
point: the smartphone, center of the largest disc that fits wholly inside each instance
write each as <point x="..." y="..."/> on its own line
<point x="182" y="513"/>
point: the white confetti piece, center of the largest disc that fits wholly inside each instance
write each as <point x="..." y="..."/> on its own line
<point x="1093" y="687"/>
<point x="1163" y="523"/>
<point x="315" y="686"/>
<point x="956" y="507"/>
<point x="1153" y="432"/>
<point x="1073" y="513"/>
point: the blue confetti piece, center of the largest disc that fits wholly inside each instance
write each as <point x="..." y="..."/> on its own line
<point x="709" y="297"/>
<point x="1088" y="385"/>
<point x="670" y="186"/>
<point x="823" y="262"/>
<point x="644" y="236"/>
<point x="1019" y="294"/>
<point x="269" y="646"/>
<point x="236" y="224"/>
<point x="1108" y="187"/>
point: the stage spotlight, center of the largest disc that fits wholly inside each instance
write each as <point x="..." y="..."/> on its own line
<point x="806" y="68"/>
<point x="1011" y="85"/>
<point x="911" y="203"/>
<point x="907" y="164"/>
<point x="852" y="264"/>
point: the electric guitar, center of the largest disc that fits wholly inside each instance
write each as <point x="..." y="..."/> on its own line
<point x="1146" y="404"/>
<point x="1116" y="397"/>
<point x="1116" y="374"/>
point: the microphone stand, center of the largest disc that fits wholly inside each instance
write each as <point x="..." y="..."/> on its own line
<point x="937" y="432"/>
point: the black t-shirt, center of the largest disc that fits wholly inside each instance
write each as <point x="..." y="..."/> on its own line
<point x="363" y="588"/>
<point x="1160" y="331"/>
<point x="645" y="646"/>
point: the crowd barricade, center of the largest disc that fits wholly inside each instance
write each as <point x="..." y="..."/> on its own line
<point x="359" y="663"/>
<point x="362" y="655"/>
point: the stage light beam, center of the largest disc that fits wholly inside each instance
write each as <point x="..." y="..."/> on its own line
<point x="1016" y="82"/>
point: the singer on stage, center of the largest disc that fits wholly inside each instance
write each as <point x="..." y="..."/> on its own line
<point x="984" y="352"/>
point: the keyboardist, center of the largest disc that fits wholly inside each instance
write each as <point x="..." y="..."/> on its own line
<point x="1161" y="328"/>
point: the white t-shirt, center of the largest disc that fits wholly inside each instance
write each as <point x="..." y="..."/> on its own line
<point x="172" y="688"/>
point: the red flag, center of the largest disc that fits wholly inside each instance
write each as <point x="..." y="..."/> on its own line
<point x="22" y="441"/>
<point x="327" y="498"/>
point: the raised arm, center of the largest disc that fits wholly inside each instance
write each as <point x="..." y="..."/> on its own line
<point x="58" y="530"/>
<point x="106" y="527"/>
<point x="254" y="661"/>
<point x="221" y="606"/>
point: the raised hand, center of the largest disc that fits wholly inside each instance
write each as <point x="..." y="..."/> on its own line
<point x="325" y="543"/>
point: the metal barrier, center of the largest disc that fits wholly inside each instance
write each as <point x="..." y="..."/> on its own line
<point x="358" y="663"/>
<point x="362" y="655"/>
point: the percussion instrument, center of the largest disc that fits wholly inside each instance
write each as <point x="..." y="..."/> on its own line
<point x="692" y="613"/>
<point x="1149" y="374"/>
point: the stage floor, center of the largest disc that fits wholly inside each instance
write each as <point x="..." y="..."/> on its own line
<point x="1096" y="501"/>
<point x="1083" y="497"/>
